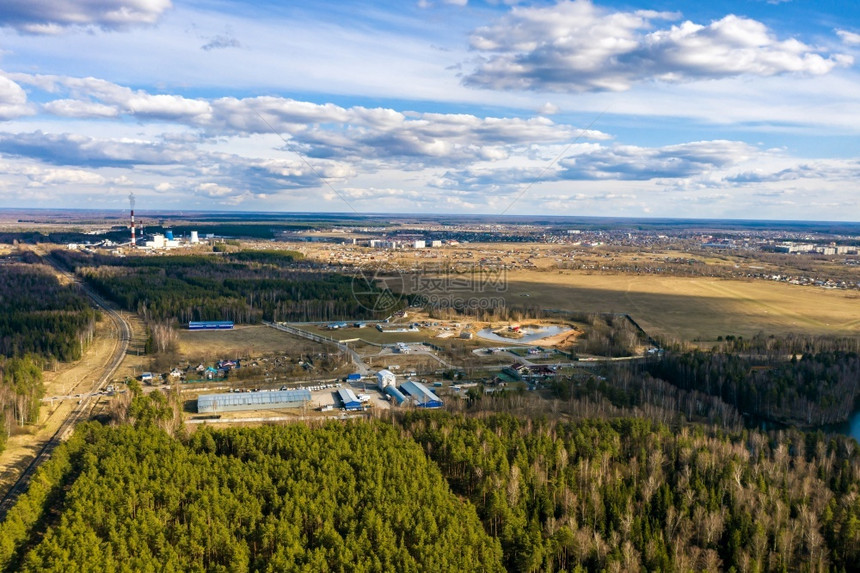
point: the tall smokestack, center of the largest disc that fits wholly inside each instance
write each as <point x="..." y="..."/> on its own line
<point x="131" y="202"/>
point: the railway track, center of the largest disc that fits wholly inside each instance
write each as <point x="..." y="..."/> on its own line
<point x="84" y="407"/>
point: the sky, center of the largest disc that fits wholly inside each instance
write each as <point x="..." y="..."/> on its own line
<point x="734" y="109"/>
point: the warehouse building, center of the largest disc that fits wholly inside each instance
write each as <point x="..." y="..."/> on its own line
<point x="237" y="401"/>
<point x="349" y="399"/>
<point x="210" y="325"/>
<point x="397" y="396"/>
<point x="421" y="395"/>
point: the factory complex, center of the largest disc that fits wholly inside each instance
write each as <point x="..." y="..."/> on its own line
<point x="324" y="397"/>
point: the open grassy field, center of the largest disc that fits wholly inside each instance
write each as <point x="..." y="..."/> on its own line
<point x="693" y="308"/>
<point x="211" y="345"/>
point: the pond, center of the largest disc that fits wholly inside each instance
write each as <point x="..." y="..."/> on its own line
<point x="851" y="427"/>
<point x="532" y="334"/>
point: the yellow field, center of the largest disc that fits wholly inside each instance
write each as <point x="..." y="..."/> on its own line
<point x="690" y="308"/>
<point x="693" y="308"/>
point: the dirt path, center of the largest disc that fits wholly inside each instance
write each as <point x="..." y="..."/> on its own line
<point x="67" y="380"/>
<point x="562" y="339"/>
<point x="65" y="388"/>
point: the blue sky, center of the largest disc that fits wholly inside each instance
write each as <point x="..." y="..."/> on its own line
<point x="744" y="109"/>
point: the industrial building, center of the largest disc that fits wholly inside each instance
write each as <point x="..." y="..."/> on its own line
<point x="385" y="378"/>
<point x="349" y="399"/>
<point x="162" y="242"/>
<point x="396" y="395"/>
<point x="237" y="401"/>
<point x="210" y="325"/>
<point x="421" y="395"/>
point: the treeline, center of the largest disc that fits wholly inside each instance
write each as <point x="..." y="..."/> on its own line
<point x="21" y="392"/>
<point x="246" y="287"/>
<point x="38" y="315"/>
<point x="633" y="495"/>
<point x="274" y="257"/>
<point x="618" y="391"/>
<point x="121" y="233"/>
<point x="815" y="389"/>
<point x="339" y="497"/>
<point x="41" y="321"/>
<point x="58" y="237"/>
<point x="610" y="335"/>
<point x="537" y="495"/>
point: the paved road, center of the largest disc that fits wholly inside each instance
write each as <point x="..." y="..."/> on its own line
<point x="84" y="407"/>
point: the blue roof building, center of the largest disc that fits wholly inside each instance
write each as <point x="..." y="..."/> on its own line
<point x="210" y="325"/>
<point x="421" y="395"/>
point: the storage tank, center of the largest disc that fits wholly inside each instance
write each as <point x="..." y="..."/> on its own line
<point x="396" y="395"/>
<point x="169" y="234"/>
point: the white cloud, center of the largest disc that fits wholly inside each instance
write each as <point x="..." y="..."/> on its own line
<point x="626" y="162"/>
<point x="72" y="149"/>
<point x="575" y="46"/>
<point x="13" y="100"/>
<point x="70" y="176"/>
<point x="548" y="109"/>
<point x="66" y="177"/>
<point x="227" y="151"/>
<point x="55" y="16"/>
<point x="212" y="190"/>
<point x="849" y="38"/>
<point x="93" y="97"/>
<point x="79" y="108"/>
<point x="39" y="176"/>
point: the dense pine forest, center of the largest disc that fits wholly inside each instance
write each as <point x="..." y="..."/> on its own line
<point x="809" y="389"/>
<point x="40" y="316"/>
<point x="488" y="492"/>
<point x="633" y="495"/>
<point x="245" y="286"/>
<point x="41" y="321"/>
<point x="340" y="497"/>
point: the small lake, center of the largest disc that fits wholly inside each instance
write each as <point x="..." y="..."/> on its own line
<point x="851" y="427"/>
<point x="529" y="334"/>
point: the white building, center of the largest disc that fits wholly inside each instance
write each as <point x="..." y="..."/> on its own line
<point x="157" y="242"/>
<point x="419" y="244"/>
<point x="435" y="244"/>
<point x="385" y="378"/>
